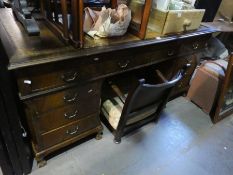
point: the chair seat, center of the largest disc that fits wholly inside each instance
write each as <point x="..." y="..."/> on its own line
<point x="112" y="109"/>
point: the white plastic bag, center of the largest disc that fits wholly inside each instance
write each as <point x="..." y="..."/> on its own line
<point x="108" y="22"/>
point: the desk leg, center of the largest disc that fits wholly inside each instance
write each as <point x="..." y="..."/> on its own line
<point x="41" y="162"/>
<point x="99" y="135"/>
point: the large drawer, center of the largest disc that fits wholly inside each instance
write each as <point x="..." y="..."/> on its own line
<point x="53" y="119"/>
<point x="75" y="96"/>
<point x="45" y="77"/>
<point x="68" y="132"/>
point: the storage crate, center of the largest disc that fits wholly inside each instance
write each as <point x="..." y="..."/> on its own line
<point x="173" y="21"/>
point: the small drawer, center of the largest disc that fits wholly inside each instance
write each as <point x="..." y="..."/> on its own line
<point x="67" y="132"/>
<point x="194" y="45"/>
<point x="162" y="55"/>
<point x="41" y="78"/>
<point x="74" y="96"/>
<point x="124" y="62"/>
<point x="44" y="122"/>
<point x="163" y="52"/>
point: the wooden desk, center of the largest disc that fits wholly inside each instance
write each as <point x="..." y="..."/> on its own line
<point x="59" y="87"/>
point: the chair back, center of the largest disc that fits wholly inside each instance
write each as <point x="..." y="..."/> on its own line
<point x="145" y="95"/>
<point x="145" y="102"/>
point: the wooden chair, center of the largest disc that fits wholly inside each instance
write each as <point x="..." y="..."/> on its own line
<point x="144" y="103"/>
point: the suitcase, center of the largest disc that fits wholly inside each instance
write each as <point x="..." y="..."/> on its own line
<point x="206" y="84"/>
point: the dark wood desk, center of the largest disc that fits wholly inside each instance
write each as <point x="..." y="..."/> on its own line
<point x="59" y="87"/>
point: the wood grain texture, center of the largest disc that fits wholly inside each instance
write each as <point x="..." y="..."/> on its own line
<point x="46" y="72"/>
<point x="24" y="51"/>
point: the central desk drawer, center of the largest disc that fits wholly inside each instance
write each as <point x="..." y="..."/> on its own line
<point x="68" y="132"/>
<point x="120" y="63"/>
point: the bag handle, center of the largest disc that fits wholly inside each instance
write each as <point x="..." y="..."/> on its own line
<point x="222" y="67"/>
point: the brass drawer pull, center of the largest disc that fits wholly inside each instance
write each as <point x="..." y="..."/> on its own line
<point x="69" y="77"/>
<point x="123" y="65"/>
<point x="71" y="116"/>
<point x="69" y="99"/>
<point x="73" y="131"/>
<point x="170" y="53"/>
<point x="195" y="46"/>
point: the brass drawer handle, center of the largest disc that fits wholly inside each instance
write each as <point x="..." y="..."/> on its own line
<point x="123" y="65"/>
<point x="68" y="99"/>
<point x="69" y="78"/>
<point x="170" y="53"/>
<point x="195" y="46"/>
<point x="73" y="131"/>
<point x="71" y="116"/>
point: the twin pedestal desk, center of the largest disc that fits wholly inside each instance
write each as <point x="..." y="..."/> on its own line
<point x="58" y="88"/>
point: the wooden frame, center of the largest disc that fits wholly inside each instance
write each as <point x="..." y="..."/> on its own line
<point x="217" y="114"/>
<point x="140" y="29"/>
<point x="68" y="27"/>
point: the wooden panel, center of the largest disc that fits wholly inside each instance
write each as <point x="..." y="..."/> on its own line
<point x="42" y="78"/>
<point x="74" y="96"/>
<point x="68" y="132"/>
<point x="64" y="115"/>
<point x="194" y="45"/>
<point x="166" y="52"/>
<point x="124" y="62"/>
<point x="37" y="79"/>
<point x="182" y="20"/>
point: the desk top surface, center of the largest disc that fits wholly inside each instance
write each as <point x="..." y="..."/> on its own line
<point x="24" y="51"/>
<point x="220" y="26"/>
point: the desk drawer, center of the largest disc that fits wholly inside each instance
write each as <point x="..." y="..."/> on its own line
<point x="75" y="96"/>
<point x="34" y="80"/>
<point x="160" y="53"/>
<point x="44" y="122"/>
<point x="194" y="45"/>
<point x="70" y="131"/>
<point x="124" y="62"/>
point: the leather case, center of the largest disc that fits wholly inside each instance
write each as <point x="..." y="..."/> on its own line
<point x="205" y="84"/>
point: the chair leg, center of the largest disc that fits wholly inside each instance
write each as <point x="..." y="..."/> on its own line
<point x="156" y="118"/>
<point x="117" y="137"/>
<point x="99" y="135"/>
<point x="117" y="140"/>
